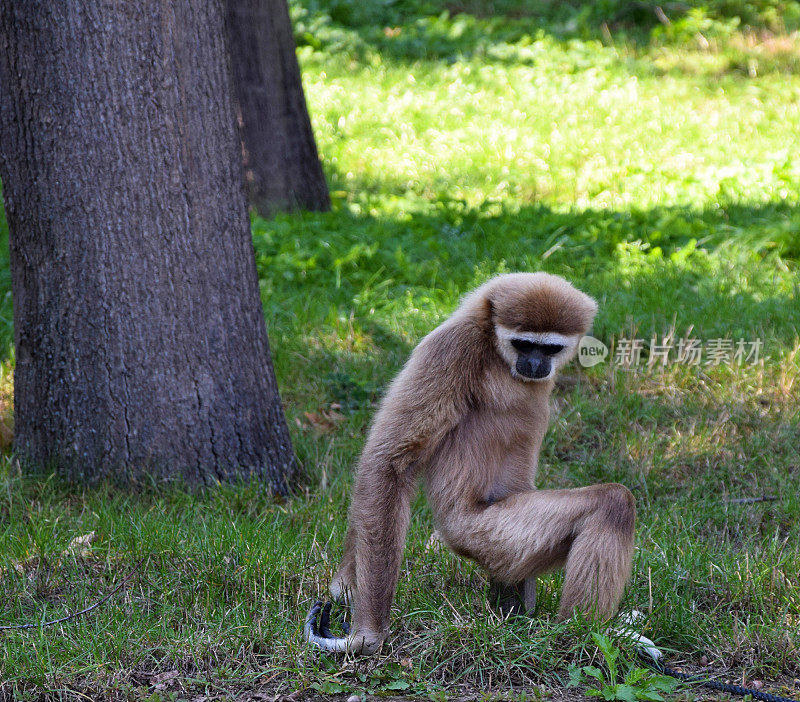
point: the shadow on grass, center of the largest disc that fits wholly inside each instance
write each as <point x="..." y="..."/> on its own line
<point x="464" y="29"/>
<point x="362" y="290"/>
<point x="577" y="35"/>
<point x="725" y="271"/>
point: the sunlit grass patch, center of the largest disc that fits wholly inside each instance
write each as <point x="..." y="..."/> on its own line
<point x="596" y="138"/>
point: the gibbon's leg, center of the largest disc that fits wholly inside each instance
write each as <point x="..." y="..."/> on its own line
<point x="529" y="594"/>
<point x="519" y="598"/>
<point x="588" y="530"/>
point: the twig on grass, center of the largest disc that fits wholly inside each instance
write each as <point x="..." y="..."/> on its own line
<point x="751" y="500"/>
<point x="6" y="627"/>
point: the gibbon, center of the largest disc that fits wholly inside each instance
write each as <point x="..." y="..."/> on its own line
<point x="467" y="414"/>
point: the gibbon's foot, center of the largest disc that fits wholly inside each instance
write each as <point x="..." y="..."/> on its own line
<point x="322" y="636"/>
<point x="518" y="599"/>
<point x="506" y="599"/>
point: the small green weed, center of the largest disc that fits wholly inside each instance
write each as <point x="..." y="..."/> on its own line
<point x="392" y="678"/>
<point x="637" y="683"/>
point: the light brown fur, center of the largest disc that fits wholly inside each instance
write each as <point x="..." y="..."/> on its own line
<point x="459" y="418"/>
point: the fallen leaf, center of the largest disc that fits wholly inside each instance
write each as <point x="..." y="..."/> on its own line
<point x="81" y="545"/>
<point x="163" y="677"/>
<point x="324" y="421"/>
<point x="435" y="542"/>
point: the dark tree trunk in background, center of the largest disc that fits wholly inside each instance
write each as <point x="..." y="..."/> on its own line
<point x="282" y="167"/>
<point x="139" y="332"/>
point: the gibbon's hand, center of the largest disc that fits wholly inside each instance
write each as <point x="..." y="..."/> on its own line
<point x="323" y="636"/>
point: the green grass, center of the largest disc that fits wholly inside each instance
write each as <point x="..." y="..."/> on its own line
<point x="655" y="166"/>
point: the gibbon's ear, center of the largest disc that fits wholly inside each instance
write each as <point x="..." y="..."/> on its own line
<point x="487" y="314"/>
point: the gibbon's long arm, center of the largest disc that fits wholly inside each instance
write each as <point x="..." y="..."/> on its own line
<point x="383" y="503"/>
<point x="382" y="509"/>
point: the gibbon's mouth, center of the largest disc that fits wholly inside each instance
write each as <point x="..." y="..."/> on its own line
<point x="525" y="377"/>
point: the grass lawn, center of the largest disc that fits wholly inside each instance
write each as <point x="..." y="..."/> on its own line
<point x="652" y="163"/>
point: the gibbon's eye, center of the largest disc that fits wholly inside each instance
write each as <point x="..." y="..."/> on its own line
<point x="551" y="349"/>
<point x="523" y="345"/>
<point x="526" y="346"/>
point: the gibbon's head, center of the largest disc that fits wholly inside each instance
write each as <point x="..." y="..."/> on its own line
<point x="537" y="319"/>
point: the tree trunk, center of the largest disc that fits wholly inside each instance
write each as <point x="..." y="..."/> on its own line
<point x="140" y="339"/>
<point x="282" y="167"/>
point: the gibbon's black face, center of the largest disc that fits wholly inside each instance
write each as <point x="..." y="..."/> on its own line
<point x="534" y="356"/>
<point x="534" y="360"/>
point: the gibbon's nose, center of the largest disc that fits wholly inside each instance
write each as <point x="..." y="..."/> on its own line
<point x="533" y="366"/>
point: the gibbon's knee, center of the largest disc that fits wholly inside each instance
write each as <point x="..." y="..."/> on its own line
<point x="600" y="557"/>
<point x="618" y="508"/>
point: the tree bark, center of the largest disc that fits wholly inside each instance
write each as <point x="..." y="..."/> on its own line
<point x="140" y="339"/>
<point x="282" y="167"/>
